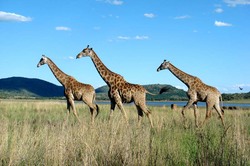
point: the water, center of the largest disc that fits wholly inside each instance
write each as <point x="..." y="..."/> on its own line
<point x="183" y="103"/>
<point x="200" y="104"/>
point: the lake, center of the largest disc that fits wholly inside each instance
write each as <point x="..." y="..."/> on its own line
<point x="183" y="103"/>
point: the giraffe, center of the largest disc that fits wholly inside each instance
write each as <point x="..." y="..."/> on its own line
<point x="73" y="90"/>
<point x="197" y="91"/>
<point x="120" y="91"/>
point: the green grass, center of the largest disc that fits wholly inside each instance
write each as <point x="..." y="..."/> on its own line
<point x="34" y="133"/>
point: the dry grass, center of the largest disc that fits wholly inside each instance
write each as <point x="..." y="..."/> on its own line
<point x="34" y="133"/>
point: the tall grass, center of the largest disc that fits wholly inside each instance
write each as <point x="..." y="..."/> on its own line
<point x="34" y="133"/>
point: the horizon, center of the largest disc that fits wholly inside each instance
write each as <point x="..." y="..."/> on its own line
<point x="207" y="39"/>
<point x="104" y="84"/>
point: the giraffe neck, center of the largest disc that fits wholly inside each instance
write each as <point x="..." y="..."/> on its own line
<point x="60" y="75"/>
<point x="106" y="74"/>
<point x="182" y="76"/>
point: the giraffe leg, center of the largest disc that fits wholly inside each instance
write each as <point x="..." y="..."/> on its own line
<point x="120" y="106"/>
<point x="190" y="103"/>
<point x="118" y="101"/>
<point x="112" y="108"/>
<point x="67" y="116"/>
<point x="71" y="101"/>
<point x="208" y="112"/>
<point x="143" y="107"/>
<point x="195" y="115"/>
<point x="220" y="112"/>
<point x="93" y="109"/>
<point x="140" y="114"/>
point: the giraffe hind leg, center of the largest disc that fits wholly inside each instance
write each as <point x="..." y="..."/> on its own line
<point x="93" y="109"/>
<point x="208" y="112"/>
<point x="143" y="108"/>
<point x="220" y="113"/>
<point x="140" y="114"/>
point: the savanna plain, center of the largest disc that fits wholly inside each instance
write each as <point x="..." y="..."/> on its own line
<point x="33" y="132"/>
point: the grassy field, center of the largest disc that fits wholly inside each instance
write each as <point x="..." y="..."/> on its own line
<point x="34" y="133"/>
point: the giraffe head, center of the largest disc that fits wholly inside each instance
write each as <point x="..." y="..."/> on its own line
<point x="85" y="52"/>
<point x="42" y="61"/>
<point x="163" y="66"/>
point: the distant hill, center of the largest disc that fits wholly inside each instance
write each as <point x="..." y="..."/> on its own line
<point x="172" y="93"/>
<point x="236" y="96"/>
<point x="20" y="87"/>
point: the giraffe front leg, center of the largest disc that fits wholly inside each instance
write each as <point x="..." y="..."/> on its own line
<point x="190" y="103"/>
<point x="68" y="112"/>
<point x="112" y="108"/>
<point x="118" y="101"/>
<point x="71" y="101"/>
<point x="195" y="115"/>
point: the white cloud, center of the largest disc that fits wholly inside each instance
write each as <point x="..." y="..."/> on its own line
<point x="234" y="3"/>
<point x="62" y="28"/>
<point x="141" y="37"/>
<point x="5" y="16"/>
<point x="222" y="24"/>
<point x="114" y="2"/>
<point x="149" y="15"/>
<point x="110" y="16"/>
<point x="123" y="37"/>
<point x="137" y="37"/>
<point x="182" y="17"/>
<point x="71" y="57"/>
<point x="218" y="10"/>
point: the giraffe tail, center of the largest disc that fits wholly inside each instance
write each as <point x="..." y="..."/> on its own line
<point x="221" y="104"/>
<point x="97" y="110"/>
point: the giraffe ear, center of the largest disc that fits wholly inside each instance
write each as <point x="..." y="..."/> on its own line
<point x="165" y="60"/>
<point x="91" y="48"/>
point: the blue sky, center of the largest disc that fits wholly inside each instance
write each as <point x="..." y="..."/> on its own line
<point x="207" y="39"/>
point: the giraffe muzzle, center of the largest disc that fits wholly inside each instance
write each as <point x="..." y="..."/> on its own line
<point x="78" y="56"/>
